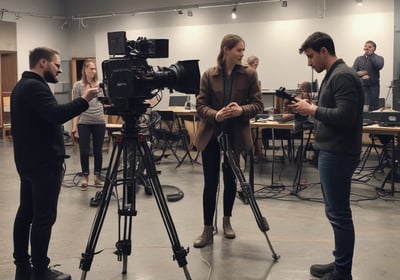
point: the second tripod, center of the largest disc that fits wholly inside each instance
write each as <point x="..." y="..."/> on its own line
<point x="132" y="146"/>
<point x="247" y="189"/>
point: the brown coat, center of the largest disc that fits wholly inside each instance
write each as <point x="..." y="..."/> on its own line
<point x="245" y="91"/>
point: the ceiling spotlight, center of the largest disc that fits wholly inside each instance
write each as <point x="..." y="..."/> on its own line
<point x="284" y="4"/>
<point x="234" y="14"/>
<point x="190" y="13"/>
<point x="359" y="2"/>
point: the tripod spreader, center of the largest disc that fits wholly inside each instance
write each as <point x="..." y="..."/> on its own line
<point x="262" y="223"/>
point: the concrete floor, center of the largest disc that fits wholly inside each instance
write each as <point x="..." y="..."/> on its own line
<point x="299" y="231"/>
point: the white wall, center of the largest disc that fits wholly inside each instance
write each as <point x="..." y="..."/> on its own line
<point x="271" y="32"/>
<point x="275" y="42"/>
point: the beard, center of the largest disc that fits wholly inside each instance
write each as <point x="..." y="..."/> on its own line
<point x="49" y="77"/>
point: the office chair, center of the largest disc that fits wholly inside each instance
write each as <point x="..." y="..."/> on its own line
<point x="282" y="135"/>
<point x="172" y="136"/>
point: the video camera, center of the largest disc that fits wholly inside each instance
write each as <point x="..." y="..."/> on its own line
<point x="128" y="80"/>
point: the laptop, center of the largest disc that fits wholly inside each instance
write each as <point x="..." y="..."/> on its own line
<point x="177" y="100"/>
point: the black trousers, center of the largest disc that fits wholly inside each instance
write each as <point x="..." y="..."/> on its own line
<point x="211" y="158"/>
<point x="37" y="214"/>
<point x="97" y="131"/>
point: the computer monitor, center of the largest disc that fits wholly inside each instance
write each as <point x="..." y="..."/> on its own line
<point x="268" y="98"/>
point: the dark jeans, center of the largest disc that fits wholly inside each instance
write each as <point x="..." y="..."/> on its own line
<point x="211" y="158"/>
<point x="97" y="132"/>
<point x="36" y="214"/>
<point x="336" y="172"/>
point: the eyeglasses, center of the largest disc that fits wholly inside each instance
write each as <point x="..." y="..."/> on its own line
<point x="57" y="65"/>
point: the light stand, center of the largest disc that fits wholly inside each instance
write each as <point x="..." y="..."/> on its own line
<point x="129" y="144"/>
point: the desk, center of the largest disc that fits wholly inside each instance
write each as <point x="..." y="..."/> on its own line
<point x="373" y="129"/>
<point x="393" y="131"/>
<point x="181" y="112"/>
<point x="272" y="125"/>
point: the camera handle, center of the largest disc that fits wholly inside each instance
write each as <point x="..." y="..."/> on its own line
<point x="246" y="188"/>
<point x="128" y="144"/>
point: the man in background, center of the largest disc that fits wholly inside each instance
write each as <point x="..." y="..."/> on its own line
<point x="367" y="67"/>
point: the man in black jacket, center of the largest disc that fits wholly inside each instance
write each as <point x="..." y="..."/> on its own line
<point x="338" y="132"/>
<point x="39" y="152"/>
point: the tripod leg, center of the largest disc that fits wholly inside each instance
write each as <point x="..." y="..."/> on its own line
<point x="127" y="209"/>
<point x="87" y="256"/>
<point x="179" y="252"/>
<point x="247" y="190"/>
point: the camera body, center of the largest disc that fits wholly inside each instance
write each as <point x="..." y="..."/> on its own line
<point x="128" y="79"/>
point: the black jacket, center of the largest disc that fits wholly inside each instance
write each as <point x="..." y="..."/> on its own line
<point x="36" y="123"/>
<point x="338" y="118"/>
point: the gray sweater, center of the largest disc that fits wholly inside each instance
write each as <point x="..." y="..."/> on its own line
<point x="338" y="119"/>
<point x="94" y="114"/>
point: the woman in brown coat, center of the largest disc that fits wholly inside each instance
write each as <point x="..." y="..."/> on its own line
<point x="229" y="96"/>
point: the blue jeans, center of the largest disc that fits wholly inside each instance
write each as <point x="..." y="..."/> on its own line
<point x="97" y="131"/>
<point x="336" y="172"/>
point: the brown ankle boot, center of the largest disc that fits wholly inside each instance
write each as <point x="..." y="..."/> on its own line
<point x="228" y="231"/>
<point x="98" y="183"/>
<point x="205" y="238"/>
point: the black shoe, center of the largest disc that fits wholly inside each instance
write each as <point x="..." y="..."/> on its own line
<point x="50" y="274"/>
<point x="319" y="270"/>
<point x="23" y="272"/>
<point x="336" y="275"/>
<point x="242" y="197"/>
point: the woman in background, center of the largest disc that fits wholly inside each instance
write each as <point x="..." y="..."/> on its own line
<point x="253" y="62"/>
<point x="90" y="124"/>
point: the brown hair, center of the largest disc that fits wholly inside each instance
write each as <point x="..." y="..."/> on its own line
<point x="41" y="52"/>
<point x="251" y="59"/>
<point x="372" y="43"/>
<point x="317" y="41"/>
<point x="229" y="41"/>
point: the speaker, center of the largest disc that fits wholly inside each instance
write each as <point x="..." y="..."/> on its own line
<point x="396" y="95"/>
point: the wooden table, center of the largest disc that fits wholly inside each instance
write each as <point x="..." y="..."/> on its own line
<point x="393" y="131"/>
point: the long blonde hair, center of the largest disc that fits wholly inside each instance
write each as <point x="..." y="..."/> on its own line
<point x="84" y="67"/>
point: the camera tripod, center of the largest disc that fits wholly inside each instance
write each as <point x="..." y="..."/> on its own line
<point x="130" y="144"/>
<point x="246" y="189"/>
